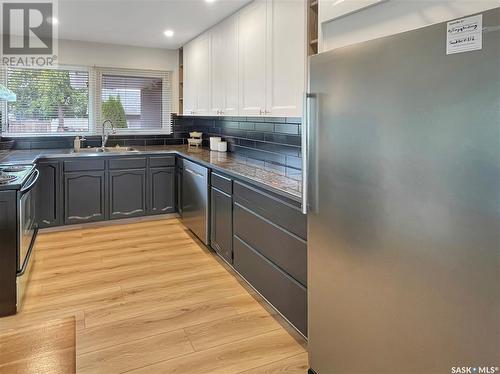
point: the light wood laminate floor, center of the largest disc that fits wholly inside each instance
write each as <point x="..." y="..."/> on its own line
<point x="147" y="297"/>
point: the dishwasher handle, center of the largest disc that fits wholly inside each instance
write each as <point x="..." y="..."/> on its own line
<point x="194" y="173"/>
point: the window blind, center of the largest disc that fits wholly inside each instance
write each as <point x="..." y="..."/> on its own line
<point x="47" y="100"/>
<point x="134" y="100"/>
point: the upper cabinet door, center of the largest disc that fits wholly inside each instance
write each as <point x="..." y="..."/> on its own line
<point x="189" y="79"/>
<point x="286" y="51"/>
<point x="217" y="63"/>
<point x="196" y="76"/>
<point x="231" y="70"/>
<point x="252" y="58"/>
<point x="224" y="68"/>
<point x="202" y="74"/>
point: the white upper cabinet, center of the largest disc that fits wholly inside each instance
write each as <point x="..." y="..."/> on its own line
<point x="224" y="68"/>
<point x="286" y="51"/>
<point x="203" y="75"/>
<point x="272" y="58"/>
<point x="252" y="58"/>
<point x="251" y="64"/>
<point x="196" y="78"/>
<point x="189" y="79"/>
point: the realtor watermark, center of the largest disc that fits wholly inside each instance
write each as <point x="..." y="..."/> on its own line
<point x="474" y="370"/>
<point x="29" y="33"/>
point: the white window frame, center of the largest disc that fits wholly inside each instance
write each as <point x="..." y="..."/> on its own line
<point x="3" y="78"/>
<point x="167" y="102"/>
<point x="94" y="107"/>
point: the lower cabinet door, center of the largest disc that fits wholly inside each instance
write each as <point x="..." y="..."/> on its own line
<point x="127" y="193"/>
<point x="84" y="197"/>
<point x="221" y="238"/>
<point x="161" y="190"/>
<point x="48" y="202"/>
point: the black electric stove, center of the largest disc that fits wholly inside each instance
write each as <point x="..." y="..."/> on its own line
<point x="18" y="229"/>
<point x="13" y="176"/>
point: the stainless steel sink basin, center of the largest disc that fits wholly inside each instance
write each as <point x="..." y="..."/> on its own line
<point x="106" y="150"/>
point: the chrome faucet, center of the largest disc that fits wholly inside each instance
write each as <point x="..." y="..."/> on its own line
<point x="105" y="135"/>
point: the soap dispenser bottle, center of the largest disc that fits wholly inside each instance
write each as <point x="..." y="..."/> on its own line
<point x="77" y="143"/>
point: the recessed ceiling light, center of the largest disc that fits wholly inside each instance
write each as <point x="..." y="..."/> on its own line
<point x="169" y="33"/>
<point x="210" y="1"/>
<point x="53" y="20"/>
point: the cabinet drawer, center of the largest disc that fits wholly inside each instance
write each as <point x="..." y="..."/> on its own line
<point x="284" y="293"/>
<point x="84" y="165"/>
<point x="286" y="250"/>
<point x="161" y="161"/>
<point x="127" y="163"/>
<point x="278" y="211"/>
<point x="222" y="183"/>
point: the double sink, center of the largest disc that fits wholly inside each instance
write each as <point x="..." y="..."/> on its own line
<point x="106" y="150"/>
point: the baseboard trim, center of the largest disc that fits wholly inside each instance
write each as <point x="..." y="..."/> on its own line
<point x="109" y="222"/>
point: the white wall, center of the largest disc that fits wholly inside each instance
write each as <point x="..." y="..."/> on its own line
<point x="395" y="16"/>
<point x="120" y="56"/>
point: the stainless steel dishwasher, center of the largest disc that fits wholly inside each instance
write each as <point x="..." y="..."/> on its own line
<point x="195" y="199"/>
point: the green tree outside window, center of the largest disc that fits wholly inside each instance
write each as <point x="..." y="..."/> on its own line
<point x="112" y="109"/>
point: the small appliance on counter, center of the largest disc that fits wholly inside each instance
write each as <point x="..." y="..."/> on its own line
<point x="18" y="229"/>
<point x="214" y="143"/>
<point x="222" y="146"/>
<point x="195" y="139"/>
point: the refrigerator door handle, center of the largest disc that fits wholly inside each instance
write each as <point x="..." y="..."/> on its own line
<point x="305" y="149"/>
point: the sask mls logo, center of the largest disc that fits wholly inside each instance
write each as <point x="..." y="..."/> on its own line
<point x="28" y="34"/>
<point x="474" y="369"/>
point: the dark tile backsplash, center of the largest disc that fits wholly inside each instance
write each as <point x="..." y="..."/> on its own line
<point x="271" y="140"/>
<point x="51" y="142"/>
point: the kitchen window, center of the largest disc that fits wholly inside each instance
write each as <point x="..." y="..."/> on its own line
<point x="134" y="100"/>
<point x="47" y="100"/>
<point x="69" y="100"/>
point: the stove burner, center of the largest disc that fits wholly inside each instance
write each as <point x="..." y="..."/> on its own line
<point x="7" y="178"/>
<point x="13" y="168"/>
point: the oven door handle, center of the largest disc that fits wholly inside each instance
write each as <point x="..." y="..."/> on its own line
<point x="21" y="271"/>
<point x="30" y="186"/>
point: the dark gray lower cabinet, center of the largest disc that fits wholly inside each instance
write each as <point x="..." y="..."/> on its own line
<point x="221" y="223"/>
<point x="84" y="197"/>
<point x="127" y="193"/>
<point x="270" y="249"/>
<point x="79" y="190"/>
<point x="161" y="190"/>
<point x="287" y="295"/>
<point x="48" y="202"/>
<point x="178" y="185"/>
<point x="287" y="251"/>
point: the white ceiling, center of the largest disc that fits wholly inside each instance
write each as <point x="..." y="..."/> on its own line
<point x="141" y="22"/>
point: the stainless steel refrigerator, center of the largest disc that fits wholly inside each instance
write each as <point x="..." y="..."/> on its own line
<point x="403" y="155"/>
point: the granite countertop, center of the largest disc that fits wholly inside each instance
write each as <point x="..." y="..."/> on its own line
<point x="279" y="179"/>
